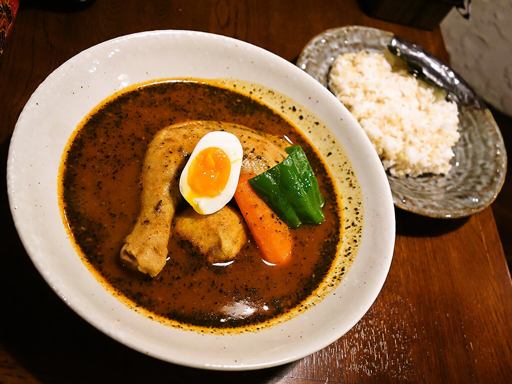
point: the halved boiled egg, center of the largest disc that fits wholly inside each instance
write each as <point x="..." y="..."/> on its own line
<point x="209" y="179"/>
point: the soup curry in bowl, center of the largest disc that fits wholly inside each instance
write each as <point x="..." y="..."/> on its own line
<point x="238" y="268"/>
<point x="200" y="200"/>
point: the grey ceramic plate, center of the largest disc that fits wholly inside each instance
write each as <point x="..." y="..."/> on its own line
<point x="479" y="165"/>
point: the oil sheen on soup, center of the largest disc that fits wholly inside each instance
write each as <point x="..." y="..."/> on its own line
<point x="100" y="196"/>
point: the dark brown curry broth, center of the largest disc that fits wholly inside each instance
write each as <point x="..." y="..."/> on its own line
<point x="100" y="192"/>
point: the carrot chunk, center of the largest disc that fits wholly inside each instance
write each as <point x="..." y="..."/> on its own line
<point x="272" y="236"/>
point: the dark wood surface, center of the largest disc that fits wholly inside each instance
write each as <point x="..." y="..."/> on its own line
<point x="444" y="314"/>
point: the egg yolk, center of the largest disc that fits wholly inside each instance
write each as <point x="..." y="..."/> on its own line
<point x="209" y="172"/>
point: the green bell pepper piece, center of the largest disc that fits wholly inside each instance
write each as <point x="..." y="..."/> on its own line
<point x="291" y="189"/>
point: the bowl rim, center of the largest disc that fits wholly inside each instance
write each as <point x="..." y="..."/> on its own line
<point x="127" y="338"/>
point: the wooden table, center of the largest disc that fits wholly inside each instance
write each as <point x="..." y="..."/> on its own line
<point x="444" y="313"/>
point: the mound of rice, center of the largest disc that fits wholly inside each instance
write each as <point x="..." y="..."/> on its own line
<point x="410" y="123"/>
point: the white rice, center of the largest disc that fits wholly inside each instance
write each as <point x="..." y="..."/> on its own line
<point x="410" y="123"/>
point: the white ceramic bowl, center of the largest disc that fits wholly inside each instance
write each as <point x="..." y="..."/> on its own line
<point x="72" y="90"/>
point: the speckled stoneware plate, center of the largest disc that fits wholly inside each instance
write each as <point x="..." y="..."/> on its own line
<point x="479" y="166"/>
<point x="72" y="90"/>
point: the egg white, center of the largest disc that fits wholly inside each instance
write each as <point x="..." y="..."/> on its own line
<point x="231" y="146"/>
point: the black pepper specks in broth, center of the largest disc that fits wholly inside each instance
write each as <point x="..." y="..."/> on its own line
<point x="100" y="198"/>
